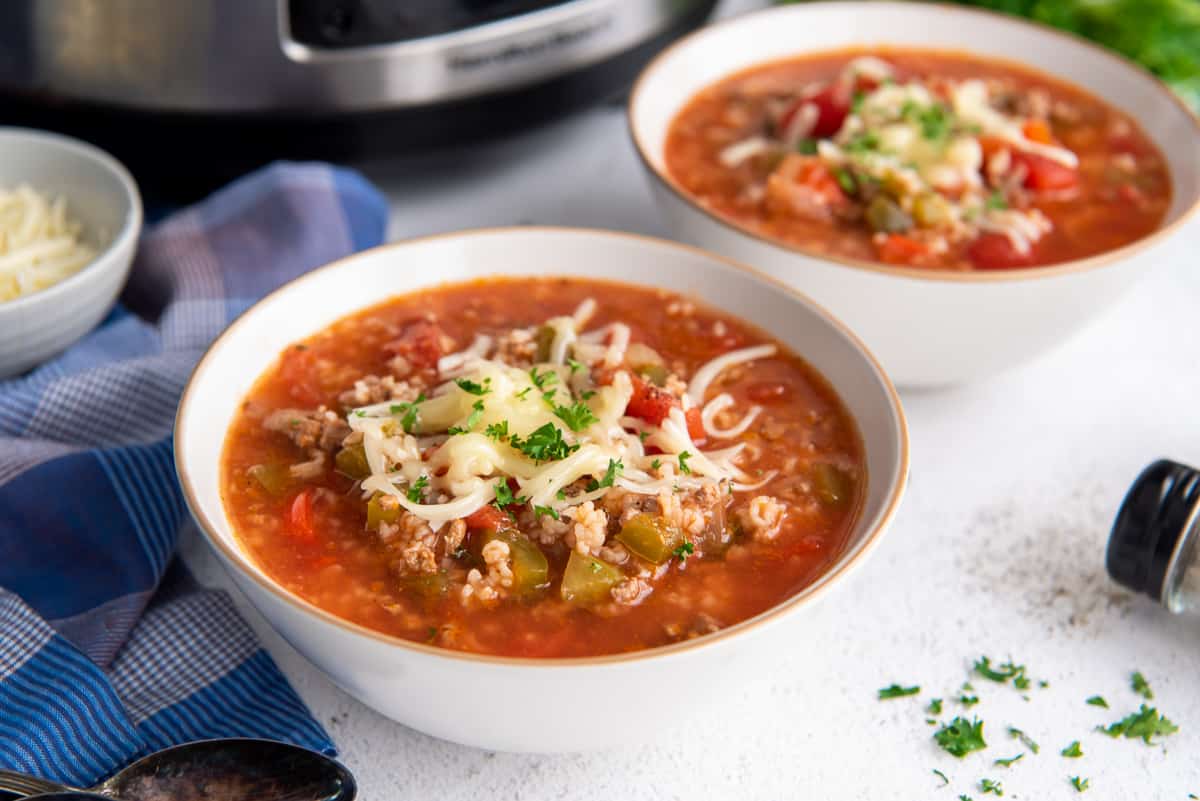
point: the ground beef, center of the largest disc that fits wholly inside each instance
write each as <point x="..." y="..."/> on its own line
<point x="320" y="428"/>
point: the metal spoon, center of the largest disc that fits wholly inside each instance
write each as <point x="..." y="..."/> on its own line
<point x="212" y="770"/>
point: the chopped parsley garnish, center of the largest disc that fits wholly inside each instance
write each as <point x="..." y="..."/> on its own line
<point x="1145" y="724"/>
<point x="408" y="412"/>
<point x="542" y="380"/>
<point x="545" y="511"/>
<point x="544" y="444"/>
<point x="577" y="416"/>
<point x="856" y="100"/>
<point x="415" y="491"/>
<point x="431" y="634"/>
<point x="683" y="465"/>
<point x="935" y="706"/>
<point x="1080" y="784"/>
<point x="504" y="495"/>
<point x="996" y="201"/>
<point x="961" y="736"/>
<point x="588" y="394"/>
<point x="610" y="475"/>
<point x="466" y="385"/>
<point x="1073" y="751"/>
<point x="1098" y="700"/>
<point x="594" y="566"/>
<point x="684" y="550"/>
<point x="807" y="146"/>
<point x="497" y="431"/>
<point x="562" y="496"/>
<point x="1140" y="686"/>
<point x="523" y="393"/>
<point x="1008" y="763"/>
<point x="941" y="776"/>
<point x="897" y="691"/>
<point x="642" y="435"/>
<point x="574" y="365"/>
<point x="1025" y="739"/>
<point x="988" y="786"/>
<point x="863" y="143"/>
<point x="845" y="180"/>
<point x="655" y="463"/>
<point x="472" y="420"/>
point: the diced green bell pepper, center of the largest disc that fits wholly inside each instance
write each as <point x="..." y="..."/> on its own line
<point x="274" y="478"/>
<point x="654" y="373"/>
<point x="588" y="580"/>
<point x="427" y="585"/>
<point x="650" y="537"/>
<point x="352" y="461"/>
<point x="377" y="514"/>
<point x="833" y="485"/>
<point x="531" y="571"/>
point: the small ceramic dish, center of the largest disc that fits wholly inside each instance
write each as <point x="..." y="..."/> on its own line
<point x="102" y="196"/>
<point x="524" y="704"/>
<point x="929" y="327"/>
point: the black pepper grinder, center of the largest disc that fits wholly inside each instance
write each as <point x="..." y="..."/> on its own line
<point x="1154" y="547"/>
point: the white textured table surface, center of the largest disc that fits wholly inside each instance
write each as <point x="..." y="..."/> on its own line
<point x="998" y="549"/>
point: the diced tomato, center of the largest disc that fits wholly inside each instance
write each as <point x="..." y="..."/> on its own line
<point x="695" y="426"/>
<point x="1037" y="130"/>
<point x="832" y="104"/>
<point x="900" y="249"/>
<point x="296" y="373"/>
<point x="649" y="403"/>
<point x="420" y="342"/>
<point x="300" y="516"/>
<point x="490" y="518"/>
<point x="769" y="392"/>
<point x="996" y="252"/>
<point x="1042" y="174"/>
<point x="1131" y="194"/>
<point x="991" y="145"/>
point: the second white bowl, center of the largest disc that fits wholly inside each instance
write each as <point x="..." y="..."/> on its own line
<point x="928" y="327"/>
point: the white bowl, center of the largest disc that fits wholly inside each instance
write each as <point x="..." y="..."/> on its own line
<point x="928" y="327"/>
<point x="102" y="196"/>
<point x="515" y="704"/>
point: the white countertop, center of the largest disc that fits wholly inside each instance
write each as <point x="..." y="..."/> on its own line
<point x="998" y="549"/>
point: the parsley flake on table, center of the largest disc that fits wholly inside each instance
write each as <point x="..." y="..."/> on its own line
<point x="1097" y="700"/>
<point x="941" y="776"/>
<point x="1144" y="724"/>
<point x="968" y="700"/>
<point x="897" y="691"/>
<point x="417" y="489"/>
<point x="961" y="736"/>
<point x="1025" y="739"/>
<point x="1139" y="685"/>
<point x="1002" y="673"/>
<point x="964" y="798"/>
<point x="935" y="706"/>
<point x="1008" y="763"/>
<point x="1080" y="784"/>
<point x="988" y="786"/>
<point x="1073" y="751"/>
<point x="610" y="475"/>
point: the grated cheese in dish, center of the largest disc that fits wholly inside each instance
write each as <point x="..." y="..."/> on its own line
<point x="545" y="429"/>
<point x="39" y="244"/>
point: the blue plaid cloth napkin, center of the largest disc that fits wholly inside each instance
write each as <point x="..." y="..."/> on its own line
<point x="108" y="649"/>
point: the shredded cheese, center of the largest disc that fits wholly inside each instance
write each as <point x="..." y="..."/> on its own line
<point x="39" y="244"/>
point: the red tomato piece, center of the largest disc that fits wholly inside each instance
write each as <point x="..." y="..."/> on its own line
<point x="420" y="342"/>
<point x="695" y="426"/>
<point x="1043" y="174"/>
<point x="649" y="403"/>
<point x="490" y="518"/>
<point x="300" y="515"/>
<point x="899" y="249"/>
<point x="832" y="104"/>
<point x="996" y="252"/>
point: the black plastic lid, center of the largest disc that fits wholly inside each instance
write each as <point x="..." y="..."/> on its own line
<point x="1151" y="522"/>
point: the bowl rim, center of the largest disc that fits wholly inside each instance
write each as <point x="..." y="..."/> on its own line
<point x="774" y="614"/>
<point x="125" y="237"/>
<point x="923" y="273"/>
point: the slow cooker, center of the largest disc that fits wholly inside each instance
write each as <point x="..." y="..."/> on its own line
<point x="189" y="94"/>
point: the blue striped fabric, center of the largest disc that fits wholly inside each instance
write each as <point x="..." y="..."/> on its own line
<point x="108" y="648"/>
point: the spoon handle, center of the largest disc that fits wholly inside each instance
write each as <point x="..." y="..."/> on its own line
<point x="14" y="782"/>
